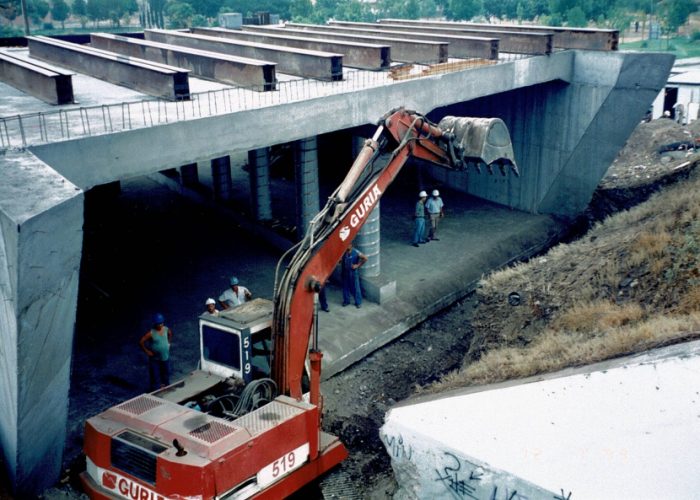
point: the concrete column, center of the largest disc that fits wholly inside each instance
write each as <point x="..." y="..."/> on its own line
<point x="189" y="175"/>
<point x="221" y="178"/>
<point x="41" y="220"/>
<point x="306" y="182"/>
<point x="368" y="242"/>
<point x="261" y="199"/>
<point x="368" y="239"/>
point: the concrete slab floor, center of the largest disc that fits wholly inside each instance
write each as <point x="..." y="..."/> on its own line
<point x="148" y="249"/>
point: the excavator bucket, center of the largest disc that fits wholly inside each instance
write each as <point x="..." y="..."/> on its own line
<point x="478" y="140"/>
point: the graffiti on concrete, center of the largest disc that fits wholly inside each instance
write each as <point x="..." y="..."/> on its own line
<point x="396" y="448"/>
<point x="462" y="480"/>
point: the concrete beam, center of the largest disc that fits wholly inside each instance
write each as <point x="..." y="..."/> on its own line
<point x="459" y="46"/>
<point x="151" y="78"/>
<point x="355" y="55"/>
<point x="533" y="43"/>
<point x="293" y="61"/>
<point x="35" y="78"/>
<point x="564" y="38"/>
<point x="402" y="49"/>
<point x="41" y="221"/>
<point x="205" y="64"/>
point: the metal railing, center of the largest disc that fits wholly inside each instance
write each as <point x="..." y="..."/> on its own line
<point x="44" y="127"/>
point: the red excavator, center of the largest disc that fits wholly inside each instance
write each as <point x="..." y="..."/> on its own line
<point x="247" y="423"/>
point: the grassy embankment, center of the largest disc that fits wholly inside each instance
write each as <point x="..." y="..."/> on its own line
<point x="632" y="283"/>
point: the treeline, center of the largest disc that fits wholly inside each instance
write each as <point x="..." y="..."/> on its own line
<point x="671" y="14"/>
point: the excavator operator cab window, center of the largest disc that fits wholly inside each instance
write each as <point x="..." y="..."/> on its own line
<point x="261" y="349"/>
<point x="222" y="347"/>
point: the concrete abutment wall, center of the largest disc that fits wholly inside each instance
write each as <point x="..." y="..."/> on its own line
<point x="565" y="135"/>
<point x="41" y="219"/>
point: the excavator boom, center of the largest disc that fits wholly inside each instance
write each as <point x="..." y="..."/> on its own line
<point x="454" y="143"/>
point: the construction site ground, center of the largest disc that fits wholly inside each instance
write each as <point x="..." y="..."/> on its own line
<point x="116" y="302"/>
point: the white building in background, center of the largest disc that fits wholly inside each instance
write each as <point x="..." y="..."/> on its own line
<point x="681" y="96"/>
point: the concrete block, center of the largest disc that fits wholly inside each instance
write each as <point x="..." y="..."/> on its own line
<point x="231" y="20"/>
<point x="378" y="289"/>
<point x="626" y="428"/>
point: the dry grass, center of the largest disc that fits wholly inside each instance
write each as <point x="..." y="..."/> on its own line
<point x="599" y="315"/>
<point x="631" y="283"/>
<point x="555" y="350"/>
<point x="649" y="246"/>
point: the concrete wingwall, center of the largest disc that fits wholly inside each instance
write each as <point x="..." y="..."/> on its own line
<point x="565" y="135"/>
<point x="41" y="221"/>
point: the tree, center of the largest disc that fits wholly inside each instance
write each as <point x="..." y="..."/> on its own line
<point x="575" y="17"/>
<point x="353" y="10"/>
<point x="97" y="10"/>
<point x="38" y="10"/>
<point x="10" y="9"/>
<point x="79" y="8"/>
<point x="464" y="9"/>
<point x="674" y="13"/>
<point x="301" y="9"/>
<point x="412" y="9"/>
<point x="428" y="8"/>
<point x="60" y="12"/>
<point x="180" y="14"/>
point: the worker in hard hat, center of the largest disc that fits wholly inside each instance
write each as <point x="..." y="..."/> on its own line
<point x="419" y="220"/>
<point x="434" y="206"/>
<point x="235" y="295"/>
<point x="350" y="264"/>
<point x="211" y="308"/>
<point x="156" y="344"/>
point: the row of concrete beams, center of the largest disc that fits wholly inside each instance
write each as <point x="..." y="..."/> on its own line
<point x="357" y="54"/>
<point x="210" y="65"/>
<point x="293" y="61"/>
<point x="401" y="49"/>
<point x="404" y="46"/>
<point x="564" y="38"/>
<point x="159" y="80"/>
<point x="45" y="82"/>
<point x="531" y="43"/>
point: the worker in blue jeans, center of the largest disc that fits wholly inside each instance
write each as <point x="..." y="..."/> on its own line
<point x="419" y="218"/>
<point x="352" y="261"/>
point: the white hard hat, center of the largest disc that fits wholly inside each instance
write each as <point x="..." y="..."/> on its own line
<point x="436" y="192"/>
<point x="210" y="301"/>
<point x="422" y="194"/>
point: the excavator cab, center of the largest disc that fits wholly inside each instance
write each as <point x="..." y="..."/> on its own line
<point x="238" y="342"/>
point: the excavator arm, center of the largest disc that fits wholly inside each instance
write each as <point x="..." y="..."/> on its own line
<point x="454" y="143"/>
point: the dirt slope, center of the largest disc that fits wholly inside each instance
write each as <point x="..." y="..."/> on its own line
<point x="629" y="283"/>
